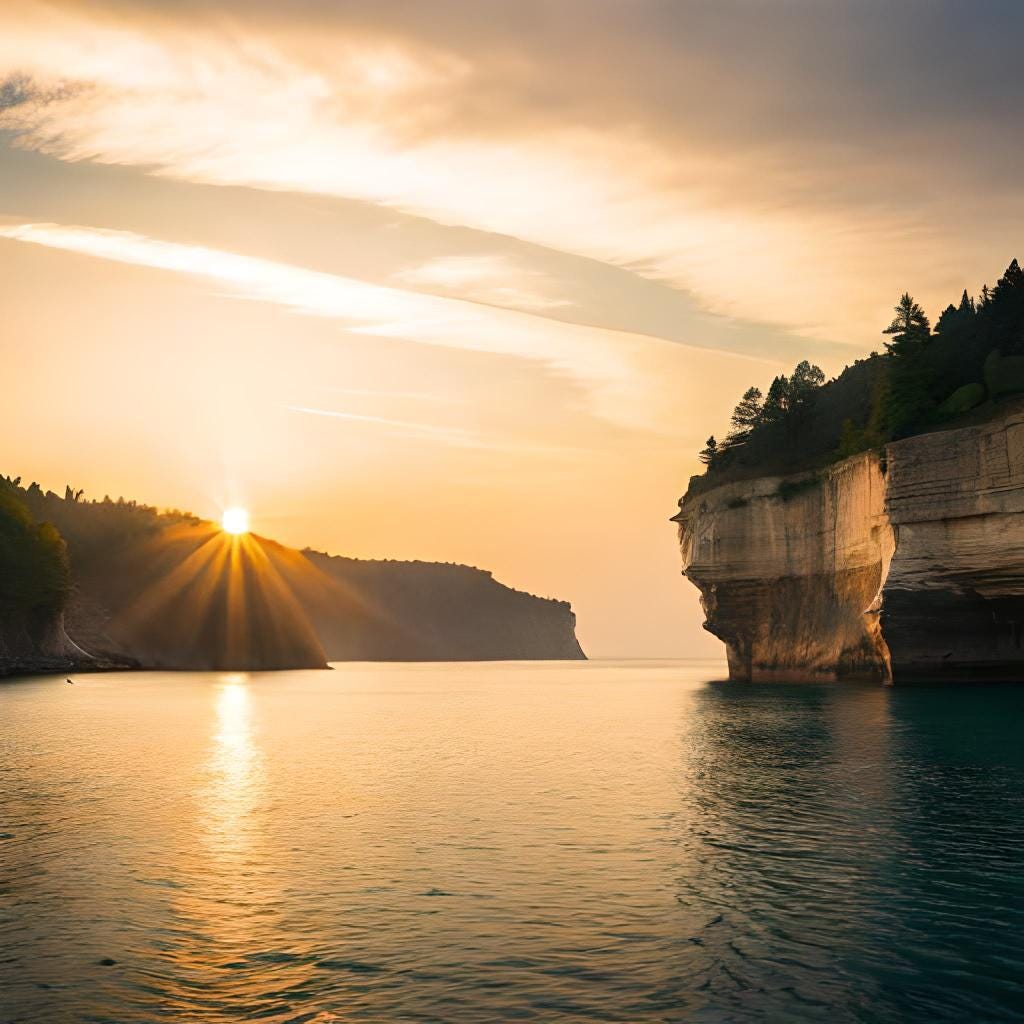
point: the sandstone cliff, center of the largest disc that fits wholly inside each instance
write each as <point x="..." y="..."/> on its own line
<point x="893" y="566"/>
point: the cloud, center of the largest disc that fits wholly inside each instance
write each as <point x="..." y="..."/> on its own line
<point x="456" y="437"/>
<point x="620" y="376"/>
<point x="405" y="428"/>
<point x="494" y="279"/>
<point x="783" y="164"/>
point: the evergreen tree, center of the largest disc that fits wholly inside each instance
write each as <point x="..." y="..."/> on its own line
<point x="806" y="377"/>
<point x="776" y="402"/>
<point x="956" y="318"/>
<point x="910" y="326"/>
<point x="747" y="414"/>
<point x="709" y="453"/>
<point x="948" y="320"/>
<point x="913" y="372"/>
<point x="1006" y="312"/>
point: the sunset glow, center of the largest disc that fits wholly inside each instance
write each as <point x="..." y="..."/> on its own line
<point x="235" y="521"/>
<point x="442" y="247"/>
<point x="481" y="485"/>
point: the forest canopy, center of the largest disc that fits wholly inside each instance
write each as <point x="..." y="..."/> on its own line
<point x="927" y="377"/>
<point x="34" y="575"/>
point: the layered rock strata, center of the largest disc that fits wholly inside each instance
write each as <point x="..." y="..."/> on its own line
<point x="898" y="566"/>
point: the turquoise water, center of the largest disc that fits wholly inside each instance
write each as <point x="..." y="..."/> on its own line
<point x="547" y="842"/>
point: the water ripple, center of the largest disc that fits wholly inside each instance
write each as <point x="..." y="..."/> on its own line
<point x="480" y="843"/>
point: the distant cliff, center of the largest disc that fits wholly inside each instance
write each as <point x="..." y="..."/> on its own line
<point x="428" y="611"/>
<point x="899" y="564"/>
<point x="168" y="590"/>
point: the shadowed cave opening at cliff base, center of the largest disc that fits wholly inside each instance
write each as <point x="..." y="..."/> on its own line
<point x="114" y="584"/>
<point x="871" y="527"/>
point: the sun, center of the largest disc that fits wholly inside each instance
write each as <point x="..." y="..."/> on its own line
<point x="235" y="520"/>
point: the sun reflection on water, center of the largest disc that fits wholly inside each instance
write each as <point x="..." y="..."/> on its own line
<point x="232" y="797"/>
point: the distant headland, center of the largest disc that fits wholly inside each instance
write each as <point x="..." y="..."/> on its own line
<point x="117" y="584"/>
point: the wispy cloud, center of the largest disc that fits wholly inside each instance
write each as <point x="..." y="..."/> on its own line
<point x="494" y="279"/>
<point x="406" y="428"/>
<point x="375" y="393"/>
<point x="455" y="437"/>
<point x="620" y="375"/>
<point x="671" y="167"/>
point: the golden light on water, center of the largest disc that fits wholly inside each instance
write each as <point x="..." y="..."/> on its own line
<point x="235" y="520"/>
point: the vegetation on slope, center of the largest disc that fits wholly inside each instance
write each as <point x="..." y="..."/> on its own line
<point x="927" y="378"/>
<point x="34" y="576"/>
<point x="155" y="586"/>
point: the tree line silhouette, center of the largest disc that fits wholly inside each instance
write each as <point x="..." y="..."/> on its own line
<point x="35" y="580"/>
<point x="787" y="400"/>
<point x="926" y="378"/>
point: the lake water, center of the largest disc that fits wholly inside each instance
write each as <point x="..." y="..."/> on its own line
<point x="548" y="842"/>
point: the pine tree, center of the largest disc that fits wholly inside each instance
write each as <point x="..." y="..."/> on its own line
<point x="777" y="401"/>
<point x="746" y="416"/>
<point x="806" y="377"/>
<point x="1014" y="276"/>
<point x="910" y="326"/>
<point x="709" y="453"/>
<point x="1006" y="311"/>
<point x="948" y="320"/>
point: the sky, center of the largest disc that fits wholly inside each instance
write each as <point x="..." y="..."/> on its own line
<point x="474" y="281"/>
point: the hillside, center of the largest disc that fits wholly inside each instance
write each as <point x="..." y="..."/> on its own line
<point x="168" y="589"/>
<point x="34" y="585"/>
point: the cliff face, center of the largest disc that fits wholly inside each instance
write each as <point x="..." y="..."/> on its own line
<point x="908" y="565"/>
<point x="954" y="597"/>
<point x="789" y="571"/>
<point x="429" y="611"/>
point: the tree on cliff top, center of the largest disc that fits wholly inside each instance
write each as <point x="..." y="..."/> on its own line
<point x="746" y="417"/>
<point x="709" y="453"/>
<point x="806" y="378"/>
<point x="910" y="327"/>
<point x="776" y="404"/>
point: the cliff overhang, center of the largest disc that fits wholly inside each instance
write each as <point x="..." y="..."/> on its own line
<point x="894" y="565"/>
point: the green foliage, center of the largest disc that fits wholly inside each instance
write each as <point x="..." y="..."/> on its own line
<point x="776" y="403"/>
<point x="34" y="575"/>
<point x="909" y="327"/>
<point x="789" y="399"/>
<point x="746" y="417"/>
<point x="1004" y="375"/>
<point x="806" y="378"/>
<point x="709" y="453"/>
<point x="963" y="399"/>
<point x="852" y="440"/>
<point x="923" y="379"/>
